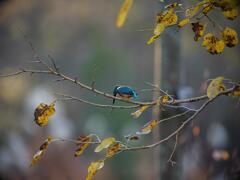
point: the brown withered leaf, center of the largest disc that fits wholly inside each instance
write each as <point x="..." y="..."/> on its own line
<point x="84" y="142"/>
<point x="113" y="149"/>
<point x="147" y="128"/>
<point x="42" y="113"/>
<point x="213" y="44"/>
<point x="198" y="29"/>
<point x="230" y="37"/>
<point x="93" y="168"/>
<point x="46" y="143"/>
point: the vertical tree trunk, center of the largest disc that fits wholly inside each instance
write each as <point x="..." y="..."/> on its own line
<point x="157" y="64"/>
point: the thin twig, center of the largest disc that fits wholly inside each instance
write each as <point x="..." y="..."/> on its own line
<point x="173" y="151"/>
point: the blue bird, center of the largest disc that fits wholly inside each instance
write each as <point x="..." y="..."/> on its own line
<point x="124" y="92"/>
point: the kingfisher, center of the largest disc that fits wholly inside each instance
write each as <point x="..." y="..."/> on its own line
<point x="124" y="92"/>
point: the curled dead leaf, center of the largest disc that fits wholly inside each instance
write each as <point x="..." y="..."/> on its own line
<point x="42" y="113"/>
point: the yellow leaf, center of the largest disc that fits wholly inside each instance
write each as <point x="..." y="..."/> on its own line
<point x="147" y="128"/>
<point x="84" y="142"/>
<point x="207" y="8"/>
<point x="230" y="13"/>
<point x="183" y="22"/>
<point x="42" y="113"/>
<point x="172" y="20"/>
<point x="213" y="44"/>
<point x="112" y="150"/>
<point x="230" y="37"/>
<point x="190" y="12"/>
<point x="159" y="29"/>
<point x="105" y="144"/>
<point x="36" y="157"/>
<point x="138" y="113"/>
<point x="152" y="39"/>
<point x="93" y="168"/>
<point x="123" y="12"/>
<point x="236" y="92"/>
<point x="165" y="99"/>
<point x="215" y="87"/>
<point x="172" y="5"/>
<point x="198" y="29"/>
<point x="163" y="16"/>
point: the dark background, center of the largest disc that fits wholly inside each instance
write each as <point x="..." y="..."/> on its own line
<point x="82" y="38"/>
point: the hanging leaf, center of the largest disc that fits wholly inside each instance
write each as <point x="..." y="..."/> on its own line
<point x="36" y="157"/>
<point x="184" y="22"/>
<point x="235" y="92"/>
<point x="163" y="20"/>
<point x="198" y="29"/>
<point x="113" y="149"/>
<point x="42" y="113"/>
<point x="159" y="29"/>
<point x="123" y="12"/>
<point x="84" y="142"/>
<point x="152" y="39"/>
<point x="190" y="12"/>
<point x="46" y="143"/>
<point x="215" y="87"/>
<point x="105" y="144"/>
<point x="172" y="5"/>
<point x="165" y="99"/>
<point x="147" y="128"/>
<point x="138" y="113"/>
<point x="132" y="137"/>
<point x="93" y="168"/>
<point x="171" y="20"/>
<point x="213" y="44"/>
<point x="231" y="14"/>
<point x="230" y="37"/>
<point x="207" y="8"/>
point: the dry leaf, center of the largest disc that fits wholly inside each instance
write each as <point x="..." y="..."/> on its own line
<point x="213" y="44"/>
<point x="190" y="12"/>
<point x="147" y="128"/>
<point x="105" y="144"/>
<point x="123" y="12"/>
<point x="36" y="157"/>
<point x="82" y="145"/>
<point x="159" y="29"/>
<point x="93" y="168"/>
<point x="113" y="149"/>
<point x="207" y="8"/>
<point x="184" y="22"/>
<point x="163" y="20"/>
<point x="231" y="14"/>
<point x="230" y="37"/>
<point x="215" y="87"/>
<point x="138" y="113"/>
<point x="46" y="143"/>
<point x="198" y="29"/>
<point x="235" y="92"/>
<point x="42" y="113"/>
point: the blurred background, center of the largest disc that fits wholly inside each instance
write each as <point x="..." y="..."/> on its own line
<point x="82" y="38"/>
